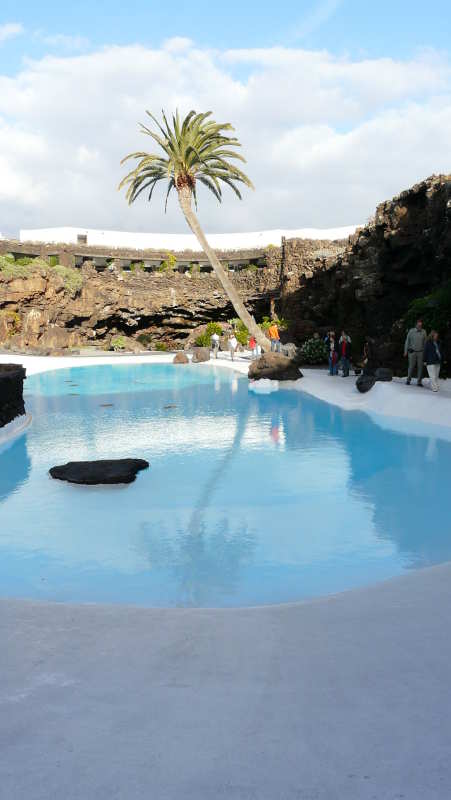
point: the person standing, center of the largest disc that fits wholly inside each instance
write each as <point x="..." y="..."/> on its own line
<point x="233" y="344"/>
<point x="344" y="350"/>
<point x="433" y="358"/>
<point x="414" y="351"/>
<point x="274" y="338"/>
<point x="369" y="361"/>
<point x="253" y="346"/>
<point x="331" y="343"/>
<point x="215" y="344"/>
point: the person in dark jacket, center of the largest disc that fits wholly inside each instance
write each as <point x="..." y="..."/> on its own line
<point x="369" y="359"/>
<point x="433" y="358"/>
<point x="344" y="353"/>
<point x="332" y="352"/>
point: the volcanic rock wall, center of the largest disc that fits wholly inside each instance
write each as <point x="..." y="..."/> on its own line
<point x="403" y="253"/>
<point x="37" y="310"/>
<point x="43" y="307"/>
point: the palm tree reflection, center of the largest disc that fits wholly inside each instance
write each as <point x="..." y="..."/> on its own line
<point x="206" y="556"/>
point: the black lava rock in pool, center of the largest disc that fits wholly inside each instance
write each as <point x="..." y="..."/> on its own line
<point x="384" y="374"/>
<point x="365" y="382"/>
<point x="120" y="470"/>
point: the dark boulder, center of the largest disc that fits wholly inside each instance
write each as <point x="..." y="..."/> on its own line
<point x="120" y="470"/>
<point x="275" y="367"/>
<point x="201" y="354"/>
<point x="364" y="383"/>
<point x="180" y="358"/>
<point x="12" y="405"/>
<point x="383" y="374"/>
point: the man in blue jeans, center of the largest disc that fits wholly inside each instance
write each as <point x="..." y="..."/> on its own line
<point x="331" y="344"/>
<point x="273" y="333"/>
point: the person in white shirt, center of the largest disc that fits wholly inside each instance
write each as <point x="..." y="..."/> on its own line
<point x="215" y="344"/>
<point x="233" y="344"/>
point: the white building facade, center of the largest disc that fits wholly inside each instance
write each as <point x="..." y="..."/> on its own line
<point x="177" y="241"/>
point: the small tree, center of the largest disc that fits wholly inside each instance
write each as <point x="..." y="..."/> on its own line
<point x="195" y="150"/>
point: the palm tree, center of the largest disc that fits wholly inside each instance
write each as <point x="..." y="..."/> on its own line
<point x="195" y="149"/>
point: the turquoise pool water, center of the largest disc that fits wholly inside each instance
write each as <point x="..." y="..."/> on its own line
<point x="250" y="498"/>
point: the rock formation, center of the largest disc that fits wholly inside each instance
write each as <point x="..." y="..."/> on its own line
<point x="403" y="253"/>
<point x="12" y="404"/>
<point x="53" y="308"/>
<point x="275" y="367"/>
<point x="90" y="473"/>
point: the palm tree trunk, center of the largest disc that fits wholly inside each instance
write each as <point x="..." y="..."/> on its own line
<point x="185" y="200"/>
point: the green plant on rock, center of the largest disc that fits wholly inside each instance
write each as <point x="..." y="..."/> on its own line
<point x="204" y="339"/>
<point x="71" y="277"/>
<point x="314" y="351"/>
<point x="161" y="346"/>
<point x="169" y="263"/>
<point x="11" y="269"/>
<point x="118" y="343"/>
<point x="214" y="327"/>
<point x="13" y="321"/>
<point x="24" y="261"/>
<point x="281" y="323"/>
<point x="434" y="309"/>
<point x="145" y="339"/>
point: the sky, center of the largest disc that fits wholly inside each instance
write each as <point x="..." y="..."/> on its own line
<point x="339" y="105"/>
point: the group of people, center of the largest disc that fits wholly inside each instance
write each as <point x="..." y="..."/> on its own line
<point x="254" y="347"/>
<point x="339" y="352"/>
<point x="421" y="349"/>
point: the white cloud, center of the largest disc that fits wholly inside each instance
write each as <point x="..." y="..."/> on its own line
<point x="9" y="30"/>
<point x="326" y="138"/>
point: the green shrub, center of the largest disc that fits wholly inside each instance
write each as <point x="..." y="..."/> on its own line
<point x="161" y="346"/>
<point x="24" y="261"/>
<point x="213" y="327"/>
<point x="434" y="309"/>
<point x="314" y="351"/>
<point x="72" y="278"/>
<point x="10" y="269"/>
<point x="118" y="343"/>
<point x="138" y="265"/>
<point x="145" y="339"/>
<point x="203" y="340"/>
<point x="266" y="323"/>
<point x="169" y="263"/>
<point x="13" y="321"/>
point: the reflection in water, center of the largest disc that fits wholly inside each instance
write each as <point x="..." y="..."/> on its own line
<point x="14" y="466"/>
<point x="206" y="563"/>
<point x="250" y="498"/>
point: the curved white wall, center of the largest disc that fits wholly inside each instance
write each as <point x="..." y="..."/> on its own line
<point x="179" y="241"/>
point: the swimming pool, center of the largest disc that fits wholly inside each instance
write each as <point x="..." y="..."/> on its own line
<point x="250" y="498"/>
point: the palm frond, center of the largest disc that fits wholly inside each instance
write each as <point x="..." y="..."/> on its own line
<point x="193" y="149"/>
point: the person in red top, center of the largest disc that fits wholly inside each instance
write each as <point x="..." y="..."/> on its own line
<point x="253" y="346"/>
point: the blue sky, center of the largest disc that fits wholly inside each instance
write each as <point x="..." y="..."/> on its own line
<point x="398" y="28"/>
<point x="339" y="105"/>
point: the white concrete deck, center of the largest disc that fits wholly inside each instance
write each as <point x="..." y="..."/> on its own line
<point x="342" y="698"/>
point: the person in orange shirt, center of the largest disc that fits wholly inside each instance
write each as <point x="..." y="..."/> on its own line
<point x="274" y="338"/>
